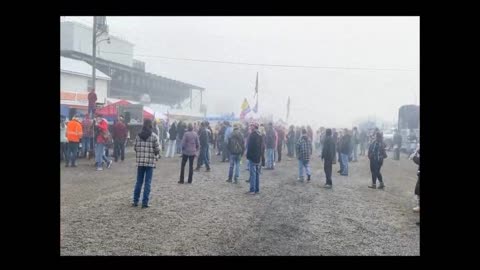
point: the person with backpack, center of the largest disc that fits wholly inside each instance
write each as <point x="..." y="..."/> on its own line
<point x="147" y="148"/>
<point x="236" y="148"/>
<point x="377" y="153"/>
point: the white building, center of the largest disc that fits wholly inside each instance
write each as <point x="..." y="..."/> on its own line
<point x="76" y="79"/>
<point x="77" y="37"/>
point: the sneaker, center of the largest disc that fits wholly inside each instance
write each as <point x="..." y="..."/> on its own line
<point x="381" y="186"/>
<point x="229" y="180"/>
<point x="373" y="186"/>
<point x="109" y="164"/>
<point x="416" y="209"/>
<point x="134" y="204"/>
<point x="180" y="182"/>
<point x="99" y="169"/>
<point x="236" y="179"/>
<point x="327" y="186"/>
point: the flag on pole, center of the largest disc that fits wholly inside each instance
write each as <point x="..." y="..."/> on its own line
<point x="255" y="109"/>
<point x="288" y="108"/>
<point x="245" y="109"/>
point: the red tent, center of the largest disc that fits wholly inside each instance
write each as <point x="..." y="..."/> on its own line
<point x="110" y="111"/>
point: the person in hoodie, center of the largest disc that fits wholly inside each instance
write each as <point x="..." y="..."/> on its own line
<point x="304" y="151"/>
<point x="328" y="156"/>
<point x="190" y="147"/>
<point x="204" y="139"/>
<point x="236" y="147"/>
<point x="74" y="134"/>
<point x="102" y="138"/>
<point x="376" y="154"/>
<point x="254" y="154"/>
<point x="172" y="132"/>
<point x="120" y="132"/>
<point x="271" y="139"/>
<point x="147" y="148"/>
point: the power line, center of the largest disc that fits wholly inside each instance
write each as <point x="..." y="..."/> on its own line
<point x="265" y="65"/>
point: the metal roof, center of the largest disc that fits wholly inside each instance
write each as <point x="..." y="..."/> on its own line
<point x="81" y="68"/>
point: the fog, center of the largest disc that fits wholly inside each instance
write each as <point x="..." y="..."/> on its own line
<point x="333" y="97"/>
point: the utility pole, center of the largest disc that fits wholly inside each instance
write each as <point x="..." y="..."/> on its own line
<point x="94" y="51"/>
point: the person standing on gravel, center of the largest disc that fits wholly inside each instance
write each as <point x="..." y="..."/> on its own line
<point x="172" y="132"/>
<point x="363" y="142"/>
<point x="190" y="146"/>
<point x="290" y="142"/>
<point x="328" y="156"/>
<point x="304" y="151"/>
<point x="376" y="154"/>
<point x="203" y="156"/>
<point x="416" y="160"/>
<point x="146" y="148"/>
<point x="236" y="147"/>
<point x="254" y="155"/>
<point x="345" y="151"/>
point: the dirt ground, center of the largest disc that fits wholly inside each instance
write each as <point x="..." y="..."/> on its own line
<point x="213" y="217"/>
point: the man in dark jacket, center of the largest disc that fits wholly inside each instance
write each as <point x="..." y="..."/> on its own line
<point x="304" y="151"/>
<point x="236" y="147"/>
<point x="203" y="136"/>
<point x="290" y="141"/>
<point x="376" y="154"/>
<point x="271" y="139"/>
<point x="254" y="154"/>
<point x="397" y="144"/>
<point x="345" y="151"/>
<point x="328" y="156"/>
<point x="119" y="135"/>
<point x="280" y="142"/>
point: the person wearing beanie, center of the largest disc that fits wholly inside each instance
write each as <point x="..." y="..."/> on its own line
<point x="146" y="149"/>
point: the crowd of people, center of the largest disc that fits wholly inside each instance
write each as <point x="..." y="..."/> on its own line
<point x="261" y="143"/>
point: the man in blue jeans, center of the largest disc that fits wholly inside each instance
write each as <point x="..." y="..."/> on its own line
<point x="146" y="148"/>
<point x="254" y="154"/>
<point x="236" y="148"/>
<point x="304" y="151"/>
<point x="345" y="151"/>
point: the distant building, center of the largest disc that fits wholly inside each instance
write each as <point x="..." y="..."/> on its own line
<point x="128" y="77"/>
<point x="76" y="80"/>
<point x="78" y="37"/>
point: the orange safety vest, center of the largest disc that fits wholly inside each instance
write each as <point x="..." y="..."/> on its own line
<point x="74" y="131"/>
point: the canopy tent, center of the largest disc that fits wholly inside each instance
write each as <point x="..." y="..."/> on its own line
<point x="111" y="111"/>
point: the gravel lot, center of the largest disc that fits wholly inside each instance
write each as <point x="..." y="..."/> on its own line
<point x="213" y="217"/>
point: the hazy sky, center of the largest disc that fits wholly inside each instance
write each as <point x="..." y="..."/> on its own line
<point x="330" y="97"/>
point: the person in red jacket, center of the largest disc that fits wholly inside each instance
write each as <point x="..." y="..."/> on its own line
<point x="101" y="139"/>
<point x="120" y="132"/>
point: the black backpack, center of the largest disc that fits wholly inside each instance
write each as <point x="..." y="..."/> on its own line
<point x="236" y="147"/>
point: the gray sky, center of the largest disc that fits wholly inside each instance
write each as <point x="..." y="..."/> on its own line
<point x="329" y="97"/>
